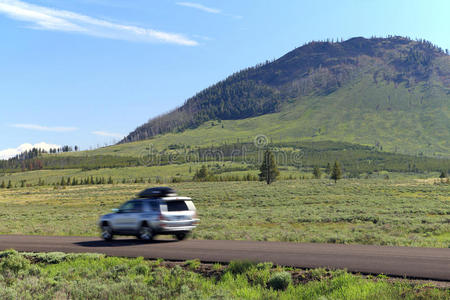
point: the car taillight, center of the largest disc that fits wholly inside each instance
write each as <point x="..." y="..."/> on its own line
<point x="196" y="218"/>
<point x="162" y="218"/>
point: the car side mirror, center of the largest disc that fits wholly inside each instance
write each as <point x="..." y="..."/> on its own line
<point x="116" y="210"/>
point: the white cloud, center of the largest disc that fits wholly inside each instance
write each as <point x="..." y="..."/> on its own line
<point x="11" y="152"/>
<point x="44" y="128"/>
<point x="45" y="18"/>
<point x="108" y="134"/>
<point x="200" y="7"/>
<point x="206" y="9"/>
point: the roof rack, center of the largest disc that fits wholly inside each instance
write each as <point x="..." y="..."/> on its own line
<point x="157" y="192"/>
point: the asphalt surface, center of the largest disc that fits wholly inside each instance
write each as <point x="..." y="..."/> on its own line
<point x="423" y="263"/>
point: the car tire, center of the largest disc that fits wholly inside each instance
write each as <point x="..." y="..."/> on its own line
<point x="107" y="232"/>
<point x="145" y="233"/>
<point x="181" y="236"/>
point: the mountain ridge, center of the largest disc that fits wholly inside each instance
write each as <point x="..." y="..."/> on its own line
<point x="420" y="70"/>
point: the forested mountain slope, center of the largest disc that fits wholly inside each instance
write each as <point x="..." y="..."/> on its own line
<point x="381" y="91"/>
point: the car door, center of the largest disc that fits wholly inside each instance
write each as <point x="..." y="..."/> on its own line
<point x="133" y="221"/>
<point x="154" y="212"/>
<point x="124" y="217"/>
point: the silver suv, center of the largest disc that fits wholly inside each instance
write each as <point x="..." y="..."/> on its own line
<point x="155" y="211"/>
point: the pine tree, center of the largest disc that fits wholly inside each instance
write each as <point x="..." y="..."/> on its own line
<point x="110" y="180"/>
<point x="202" y="174"/>
<point x="269" y="170"/>
<point x="443" y="175"/>
<point x="336" y="173"/>
<point x="328" y="169"/>
<point x="317" y="173"/>
<point x="63" y="182"/>
<point x="2" y="186"/>
<point x="9" y="185"/>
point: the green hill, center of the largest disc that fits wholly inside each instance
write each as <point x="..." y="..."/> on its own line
<point x="392" y="93"/>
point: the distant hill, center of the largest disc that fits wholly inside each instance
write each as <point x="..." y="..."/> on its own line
<point x="393" y="93"/>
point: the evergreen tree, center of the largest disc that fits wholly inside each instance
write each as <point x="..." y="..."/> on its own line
<point x="9" y="185"/>
<point x="202" y="174"/>
<point x="316" y="172"/>
<point x="110" y="180"/>
<point x="2" y="186"/>
<point x="63" y="182"/>
<point x="269" y="170"/>
<point x="336" y="173"/>
<point x="328" y="169"/>
<point x="443" y="175"/>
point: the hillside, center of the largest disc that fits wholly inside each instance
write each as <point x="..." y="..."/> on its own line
<point x="390" y="92"/>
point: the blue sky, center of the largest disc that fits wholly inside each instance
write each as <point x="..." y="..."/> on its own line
<point x="85" y="72"/>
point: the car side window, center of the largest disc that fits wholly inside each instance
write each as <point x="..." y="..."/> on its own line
<point x="126" y="207"/>
<point x="154" y="205"/>
<point x="132" y="207"/>
<point x="138" y="206"/>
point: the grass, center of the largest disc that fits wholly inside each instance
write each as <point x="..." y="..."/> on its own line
<point x="163" y="174"/>
<point x="402" y="212"/>
<point x="389" y="117"/>
<point x="93" y="276"/>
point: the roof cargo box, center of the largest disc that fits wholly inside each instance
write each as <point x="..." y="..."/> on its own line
<point x="157" y="192"/>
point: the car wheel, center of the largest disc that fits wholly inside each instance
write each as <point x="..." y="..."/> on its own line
<point x="181" y="236"/>
<point x="145" y="233"/>
<point x="107" y="233"/>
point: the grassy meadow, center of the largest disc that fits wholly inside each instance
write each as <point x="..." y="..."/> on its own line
<point x="94" y="276"/>
<point x="389" y="117"/>
<point x="154" y="174"/>
<point x="402" y="212"/>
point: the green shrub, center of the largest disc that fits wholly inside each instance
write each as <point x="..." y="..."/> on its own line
<point x="142" y="269"/>
<point x="192" y="264"/>
<point x="280" y="280"/>
<point x="47" y="258"/>
<point x="240" y="266"/>
<point x="264" y="266"/>
<point x="14" y="262"/>
<point x="318" y="274"/>
<point x="258" y="276"/>
<point x="117" y="271"/>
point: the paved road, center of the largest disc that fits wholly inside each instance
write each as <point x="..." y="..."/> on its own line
<point x="426" y="263"/>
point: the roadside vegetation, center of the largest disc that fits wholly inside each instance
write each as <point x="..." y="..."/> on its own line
<point x="397" y="211"/>
<point x="94" y="276"/>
